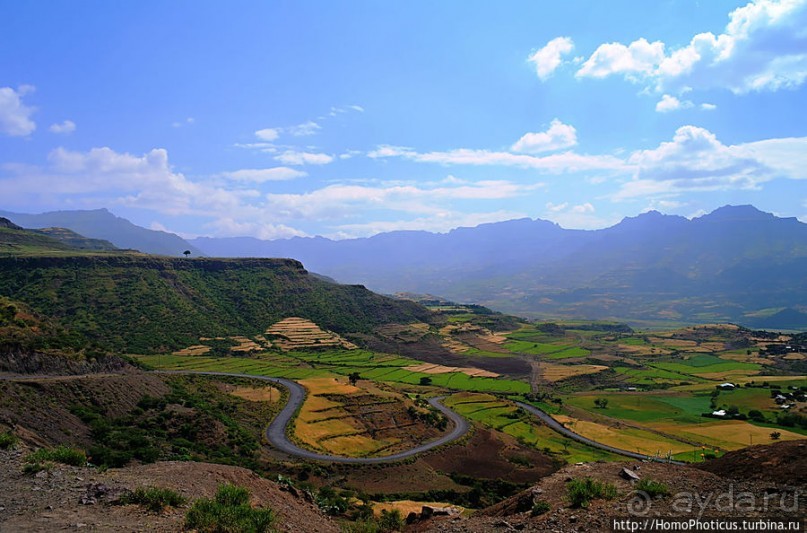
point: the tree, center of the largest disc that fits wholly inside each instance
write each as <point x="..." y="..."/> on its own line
<point x="353" y="377"/>
<point x="602" y="403"/>
<point x="186" y="253"/>
<point x="425" y="381"/>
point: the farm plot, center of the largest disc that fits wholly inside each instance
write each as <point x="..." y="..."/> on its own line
<point x="508" y="418"/>
<point x="369" y="366"/>
<point x="728" y="434"/>
<point x="355" y="420"/>
<point x="626" y="438"/>
<point x="299" y="333"/>
<point x="553" y="372"/>
<point x="645" y="407"/>
<point x="709" y="367"/>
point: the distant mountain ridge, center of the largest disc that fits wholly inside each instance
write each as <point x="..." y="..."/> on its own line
<point x="103" y="225"/>
<point x="735" y="264"/>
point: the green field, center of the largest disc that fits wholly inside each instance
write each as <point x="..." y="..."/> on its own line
<point x="646" y="407"/>
<point x="369" y="365"/>
<point x="510" y="419"/>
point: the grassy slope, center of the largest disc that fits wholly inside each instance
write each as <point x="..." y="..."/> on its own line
<point x="144" y="304"/>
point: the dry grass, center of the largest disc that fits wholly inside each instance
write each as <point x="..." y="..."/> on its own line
<point x="551" y="372"/>
<point x="409" y="506"/>
<point x="257" y="394"/>
<point x="428" y="368"/>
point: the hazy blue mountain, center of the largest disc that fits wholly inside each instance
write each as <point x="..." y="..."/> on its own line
<point x="101" y="224"/>
<point x="734" y="264"/>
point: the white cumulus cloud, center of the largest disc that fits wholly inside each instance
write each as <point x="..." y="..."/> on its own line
<point x="557" y="137"/>
<point x="15" y="116"/>
<point x="696" y="160"/>
<point x="671" y="103"/>
<point x="268" y="134"/>
<point x="550" y="57"/>
<point x="639" y="57"/>
<point x="762" y="48"/>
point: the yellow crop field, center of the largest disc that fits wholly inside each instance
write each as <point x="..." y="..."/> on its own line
<point x="551" y="372"/>
<point x="299" y="333"/>
<point x="327" y="425"/>
<point x="356" y="445"/>
<point x="729" y="374"/>
<point x="429" y="368"/>
<point x="196" y="349"/>
<point x="329" y="385"/>
<point x="631" y="439"/>
<point x="728" y="434"/>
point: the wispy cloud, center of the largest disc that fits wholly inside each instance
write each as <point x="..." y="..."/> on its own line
<point x="291" y="157"/>
<point x="261" y="175"/>
<point x="554" y="163"/>
<point x="66" y="127"/>
<point x="268" y="134"/>
<point x="302" y="130"/>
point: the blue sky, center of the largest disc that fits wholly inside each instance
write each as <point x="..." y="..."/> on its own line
<point x="345" y="119"/>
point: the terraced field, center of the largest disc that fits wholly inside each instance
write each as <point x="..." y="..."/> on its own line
<point x="298" y="334"/>
<point x="356" y="421"/>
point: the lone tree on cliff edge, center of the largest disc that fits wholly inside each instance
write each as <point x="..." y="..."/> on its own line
<point x="186" y="253"/>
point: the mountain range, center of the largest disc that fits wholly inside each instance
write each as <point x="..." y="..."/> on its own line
<point x="101" y="224"/>
<point x="735" y="264"/>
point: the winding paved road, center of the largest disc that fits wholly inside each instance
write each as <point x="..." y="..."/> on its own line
<point x="557" y="426"/>
<point x="276" y="432"/>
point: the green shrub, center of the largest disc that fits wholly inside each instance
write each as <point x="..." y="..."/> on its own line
<point x="154" y="499"/>
<point x="228" y="512"/>
<point x="540" y="507"/>
<point x="61" y="454"/>
<point x="8" y="440"/>
<point x="33" y="468"/>
<point x="390" y="521"/>
<point x="582" y="491"/>
<point x="652" y="488"/>
<point x="232" y="495"/>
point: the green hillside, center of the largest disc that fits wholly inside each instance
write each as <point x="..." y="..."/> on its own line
<point x="145" y="304"/>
